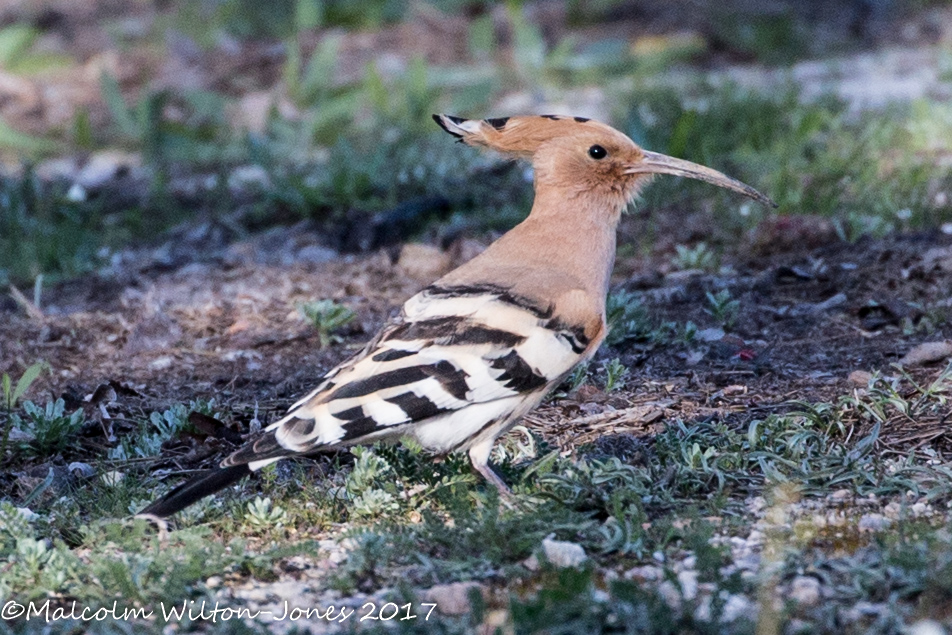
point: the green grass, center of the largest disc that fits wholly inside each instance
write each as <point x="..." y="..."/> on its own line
<point x="367" y="146"/>
<point x="413" y="523"/>
<point x="870" y="175"/>
<point x="41" y="232"/>
<point x="50" y="429"/>
<point x="872" y="172"/>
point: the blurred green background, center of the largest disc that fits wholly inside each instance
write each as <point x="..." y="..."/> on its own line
<point x="122" y="118"/>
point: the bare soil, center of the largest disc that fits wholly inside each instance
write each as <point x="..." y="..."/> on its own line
<point x="227" y="327"/>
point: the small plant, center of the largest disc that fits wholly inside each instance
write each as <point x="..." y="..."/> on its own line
<point x="374" y="503"/>
<point x="615" y="373"/>
<point x="688" y="333"/>
<point x="723" y="308"/>
<point x="310" y="85"/>
<point x="517" y="446"/>
<point x="368" y="471"/>
<point x="698" y="257"/>
<point x="51" y="428"/>
<point x="19" y="55"/>
<point x="327" y="316"/>
<point x="13" y="525"/>
<point x="627" y="318"/>
<point x="262" y="513"/>
<point x="577" y="377"/>
<point x="368" y="484"/>
<point x="12" y="395"/>
<point x="195" y="136"/>
<point x="160" y="428"/>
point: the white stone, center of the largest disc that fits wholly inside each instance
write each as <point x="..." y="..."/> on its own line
<point x="710" y="335"/>
<point x="646" y="573"/>
<point x="104" y="166"/>
<point x="805" y="590"/>
<point x="161" y="363"/>
<point x="756" y="504"/>
<point x="316" y="254"/>
<point x="562" y="553"/>
<point x="737" y="607"/>
<point x="76" y="193"/>
<point x="703" y="611"/>
<point x="688" y="582"/>
<point x="112" y="478"/>
<point x="246" y="175"/>
<point x="27" y="514"/>
<point x="670" y="594"/>
<point x="873" y="522"/>
<point x="892" y="510"/>
<point x="926" y="627"/>
<point x="81" y="469"/>
<point x="452" y="599"/>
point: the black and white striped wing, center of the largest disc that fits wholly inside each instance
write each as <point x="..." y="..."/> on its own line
<point x="456" y="360"/>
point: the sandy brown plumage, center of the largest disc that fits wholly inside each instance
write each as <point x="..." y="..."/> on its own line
<point x="481" y="346"/>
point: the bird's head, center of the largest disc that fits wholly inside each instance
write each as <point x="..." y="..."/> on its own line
<point x="578" y="155"/>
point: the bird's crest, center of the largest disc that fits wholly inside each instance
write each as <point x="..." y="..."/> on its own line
<point x="575" y="140"/>
<point x="516" y="136"/>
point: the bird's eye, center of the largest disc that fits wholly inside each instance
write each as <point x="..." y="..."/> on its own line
<point x="597" y="152"/>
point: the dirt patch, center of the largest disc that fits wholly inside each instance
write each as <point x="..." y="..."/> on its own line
<point x="227" y="327"/>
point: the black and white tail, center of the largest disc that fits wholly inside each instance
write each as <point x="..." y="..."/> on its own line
<point x="199" y="487"/>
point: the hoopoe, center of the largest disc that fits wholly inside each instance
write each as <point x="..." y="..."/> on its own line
<point x="470" y="354"/>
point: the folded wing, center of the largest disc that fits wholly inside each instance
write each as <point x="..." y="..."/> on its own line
<point x="464" y="354"/>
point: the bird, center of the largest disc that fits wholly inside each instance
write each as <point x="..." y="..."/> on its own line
<point x="474" y="351"/>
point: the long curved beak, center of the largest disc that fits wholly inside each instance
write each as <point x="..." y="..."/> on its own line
<point x="654" y="163"/>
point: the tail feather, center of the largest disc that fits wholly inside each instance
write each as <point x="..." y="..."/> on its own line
<point x="194" y="489"/>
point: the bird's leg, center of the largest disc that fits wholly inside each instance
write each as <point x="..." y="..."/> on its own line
<point x="479" y="457"/>
<point x="495" y="479"/>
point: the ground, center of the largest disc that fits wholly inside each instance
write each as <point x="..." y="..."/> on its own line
<point x="761" y="446"/>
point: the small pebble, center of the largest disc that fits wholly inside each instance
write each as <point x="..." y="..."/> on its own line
<point x="646" y="573"/>
<point x="738" y="606"/>
<point x="926" y="627"/>
<point x="562" y="553"/>
<point x="873" y="522"/>
<point x="892" y="510"/>
<point x="805" y="590"/>
<point x="453" y="599"/>
<point x="688" y="582"/>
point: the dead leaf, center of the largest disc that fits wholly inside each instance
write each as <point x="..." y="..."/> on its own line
<point x="242" y="324"/>
<point x="212" y="427"/>
<point x="104" y="393"/>
<point x="927" y="353"/>
<point x="860" y="378"/>
<point x="31" y="309"/>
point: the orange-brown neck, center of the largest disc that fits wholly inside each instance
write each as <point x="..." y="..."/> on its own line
<point x="567" y="243"/>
